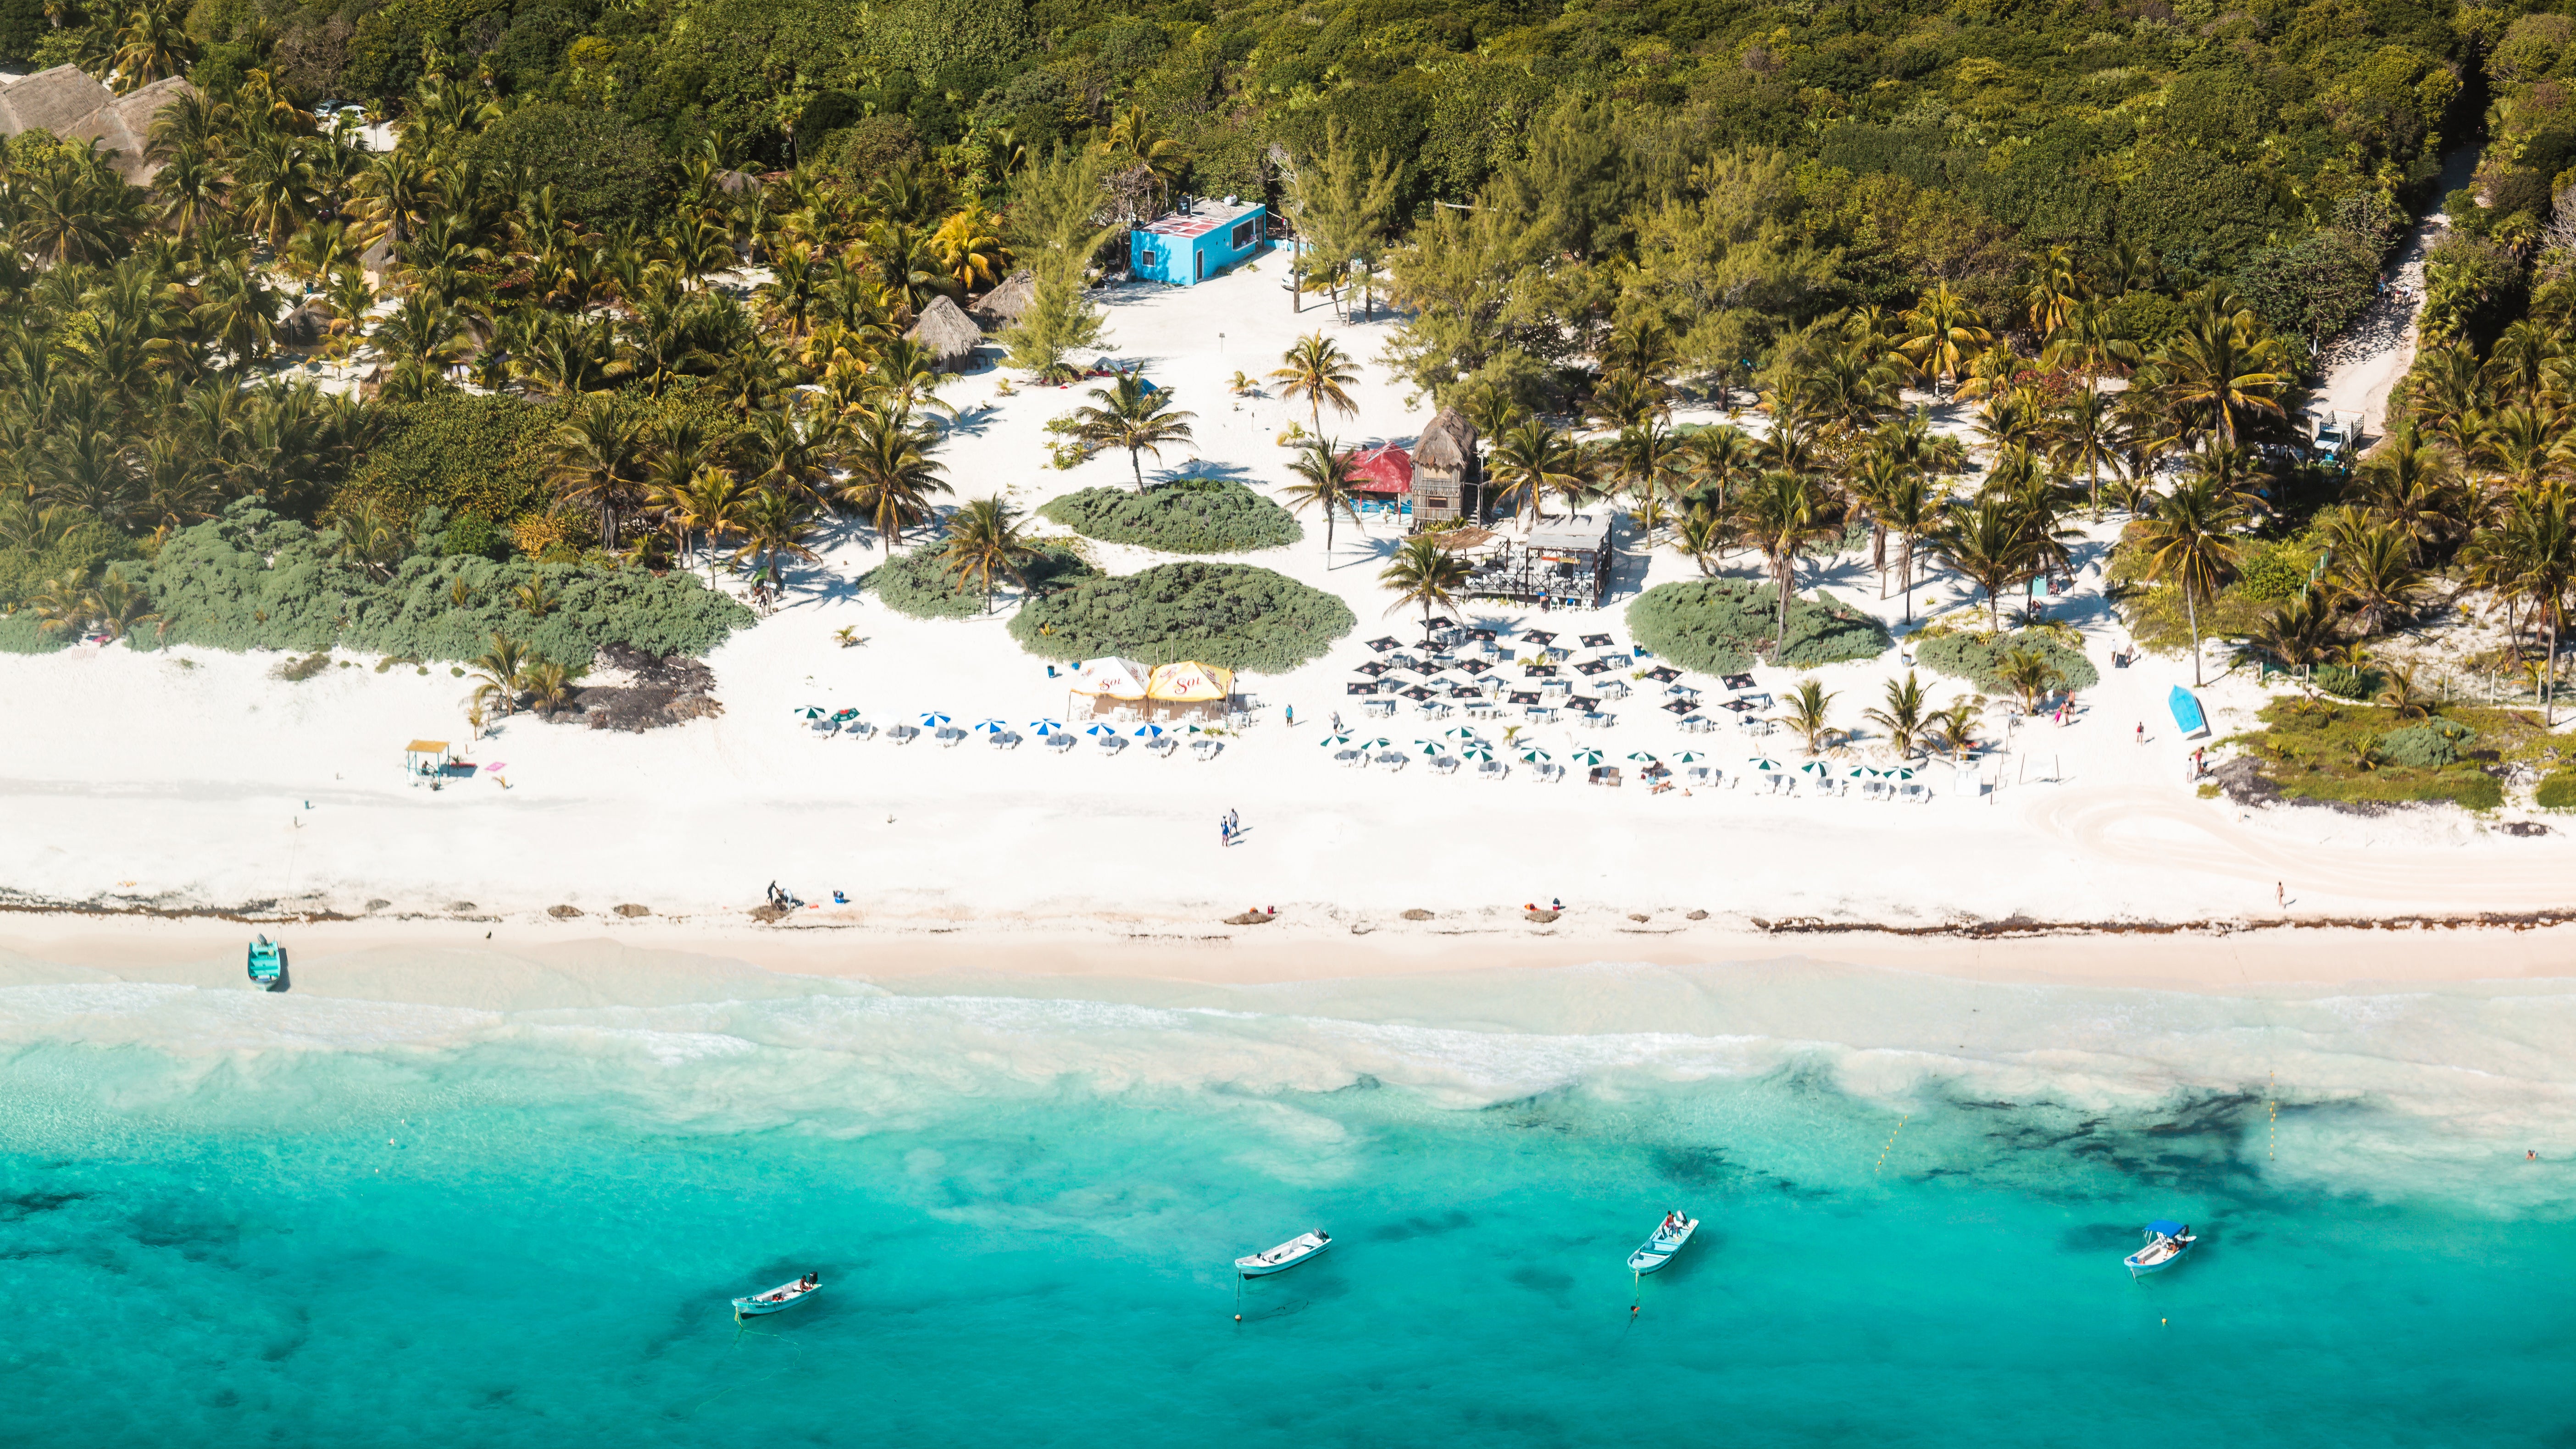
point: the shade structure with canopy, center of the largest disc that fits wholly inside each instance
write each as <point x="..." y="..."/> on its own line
<point x="425" y="758"/>
<point x="1102" y="687"/>
<point x="1186" y="690"/>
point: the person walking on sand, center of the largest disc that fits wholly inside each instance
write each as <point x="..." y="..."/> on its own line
<point x="2281" y="892"/>
<point x="2142" y="732"/>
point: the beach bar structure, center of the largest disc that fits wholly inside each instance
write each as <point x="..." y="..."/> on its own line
<point x="1184" y="692"/>
<point x="425" y="759"/>
<point x="1205" y="239"/>
<point x="1445" y="473"/>
<point x="1564" y="560"/>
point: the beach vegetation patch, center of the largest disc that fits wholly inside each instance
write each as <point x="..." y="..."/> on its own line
<point x="252" y="580"/>
<point x="1983" y="658"/>
<point x="2360" y="754"/>
<point x="920" y="583"/>
<point x="2558" y="792"/>
<point x="1190" y="515"/>
<point x="479" y="459"/>
<point x="1721" y="626"/>
<point x="1235" y="616"/>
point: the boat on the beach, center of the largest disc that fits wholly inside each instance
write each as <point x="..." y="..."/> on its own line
<point x="1284" y="1257"/>
<point x="1658" y="1250"/>
<point x="2167" y="1241"/>
<point x="783" y="1296"/>
<point x="267" y="963"/>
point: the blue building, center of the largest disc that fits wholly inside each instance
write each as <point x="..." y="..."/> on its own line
<point x="1206" y="240"/>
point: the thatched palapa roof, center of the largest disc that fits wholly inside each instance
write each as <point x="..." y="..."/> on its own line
<point x="1003" y="305"/>
<point x="1448" y="444"/>
<point x="72" y="105"/>
<point x="948" y="333"/>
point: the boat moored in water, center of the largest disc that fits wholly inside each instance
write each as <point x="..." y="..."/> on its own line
<point x="1284" y="1257"/>
<point x="1670" y="1234"/>
<point x="785" y="1295"/>
<point x="2167" y="1241"/>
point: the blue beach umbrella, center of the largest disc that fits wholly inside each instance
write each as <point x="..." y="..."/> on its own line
<point x="1042" y="728"/>
<point x="990" y="727"/>
<point x="1149" y="732"/>
<point x="934" y="721"/>
<point x="1101" y="729"/>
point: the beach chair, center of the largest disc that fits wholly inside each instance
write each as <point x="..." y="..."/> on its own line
<point x="1614" y="689"/>
<point x="860" y="729"/>
<point x="1111" y="744"/>
<point x="1060" y="742"/>
<point x="1001" y="739"/>
<point x="904" y="734"/>
<point x="1392" y="760"/>
<point x="1492" y="770"/>
<point x="1600" y="720"/>
<point x="1165" y="747"/>
<point x="1378" y="708"/>
<point x="1206" y="749"/>
<point x="1697" y="774"/>
<point x="950" y="737"/>
<point x="1350" y="759"/>
<point x="1445" y="765"/>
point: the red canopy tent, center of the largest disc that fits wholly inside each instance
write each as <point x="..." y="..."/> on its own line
<point x="1385" y="468"/>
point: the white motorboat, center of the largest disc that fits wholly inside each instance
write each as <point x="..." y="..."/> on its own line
<point x="785" y="1295"/>
<point x="2167" y="1241"/>
<point x="1670" y="1234"/>
<point x="1284" y="1257"/>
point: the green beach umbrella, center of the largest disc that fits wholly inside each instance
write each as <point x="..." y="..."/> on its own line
<point x="1586" y="756"/>
<point x="1535" y="756"/>
<point x="1329" y="741"/>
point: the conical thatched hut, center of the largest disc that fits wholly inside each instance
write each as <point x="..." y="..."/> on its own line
<point x="303" y="329"/>
<point x="1003" y="305"/>
<point x="1444" y="470"/>
<point x="950" y="335"/>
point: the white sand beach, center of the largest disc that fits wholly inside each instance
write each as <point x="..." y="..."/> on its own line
<point x="193" y="780"/>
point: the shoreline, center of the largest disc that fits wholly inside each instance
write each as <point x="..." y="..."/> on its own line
<point x="1059" y="957"/>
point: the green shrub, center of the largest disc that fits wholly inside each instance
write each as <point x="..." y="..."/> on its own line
<point x="1193" y="515"/>
<point x="41" y="544"/>
<point x="917" y="581"/>
<point x="1718" y="626"/>
<point x="604" y="168"/>
<point x="250" y="580"/>
<point x="2347" y="681"/>
<point x="2279" y="571"/>
<point x="459" y="452"/>
<point x="21" y="633"/>
<point x="1232" y="615"/>
<point x="2558" y="792"/>
<point x="1978" y="658"/>
<point x="2427" y="746"/>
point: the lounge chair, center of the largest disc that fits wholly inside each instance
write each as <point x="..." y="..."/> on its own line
<point x="904" y="734"/>
<point x="1207" y="749"/>
<point x="950" y="737"/>
<point x="1392" y="760"/>
<point x="1445" y="765"/>
<point x="1599" y="720"/>
<point x="1350" y="759"/>
<point x="1060" y="742"/>
<point x="1492" y="770"/>
<point x="860" y="729"/>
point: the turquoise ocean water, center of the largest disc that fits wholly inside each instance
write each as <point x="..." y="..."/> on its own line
<point x="232" y="1219"/>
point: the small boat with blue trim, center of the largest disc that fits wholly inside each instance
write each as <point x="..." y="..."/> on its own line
<point x="1284" y="1257"/>
<point x="2167" y="1241"/>
<point x="785" y="1295"/>
<point x="267" y="963"/>
<point x="1670" y="1235"/>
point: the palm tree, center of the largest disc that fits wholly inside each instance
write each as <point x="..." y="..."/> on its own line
<point x="1324" y="480"/>
<point x="1904" y="716"/>
<point x="891" y="475"/>
<point x="1423" y="573"/>
<point x="1808" y="718"/>
<point x="550" y="685"/>
<point x="2299" y="633"/>
<point x="498" y="670"/>
<point x="1135" y="415"/>
<point x="2085" y="434"/>
<point x="2531" y="553"/>
<point x="118" y="606"/>
<point x="984" y="539"/>
<point x="710" y="504"/>
<point x="594" y="458"/>
<point x="2374" y="576"/>
<point x="1531" y="460"/>
<point x="2186" y="542"/>
<point x="775" y="523"/>
<point x="1988" y="542"/>
<point x="1702" y="538"/>
<point x="2031" y="673"/>
<point x="1779" y="515"/>
<point x="1316" y="369"/>
<point x="1957" y="726"/>
<point x="1945" y="332"/>
<point x="153" y="45"/>
<point x="2220" y="374"/>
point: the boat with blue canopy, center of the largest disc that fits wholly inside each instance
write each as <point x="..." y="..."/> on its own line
<point x="1669" y="1236"/>
<point x="2167" y="1241"/>
<point x="268" y="963"/>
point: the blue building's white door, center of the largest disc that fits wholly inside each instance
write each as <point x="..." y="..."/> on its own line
<point x="1199" y="258"/>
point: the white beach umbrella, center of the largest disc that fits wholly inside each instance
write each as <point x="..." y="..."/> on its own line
<point x="1459" y="732"/>
<point x="1641" y="757"/>
<point x="811" y="711"/>
<point x="1815" y="767"/>
<point x="1477" y="752"/>
<point x="1101" y="729"/>
<point x="934" y="721"/>
<point x="1535" y="756"/>
<point x="1429" y="747"/>
<point x="1586" y="756"/>
<point x="1380" y="743"/>
<point x="1761" y="766"/>
<point x="1045" y="727"/>
<point x="1688" y="757"/>
<point x="1331" y="742"/>
<point x="1150" y="732"/>
<point x="991" y="727"/>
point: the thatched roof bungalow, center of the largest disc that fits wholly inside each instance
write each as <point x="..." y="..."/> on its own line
<point x="71" y="104"/>
<point x="951" y="337"/>
<point x="1444" y="461"/>
<point x="1003" y="305"/>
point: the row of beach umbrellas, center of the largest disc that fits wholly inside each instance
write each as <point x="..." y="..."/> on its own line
<point x="1042" y="728"/>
